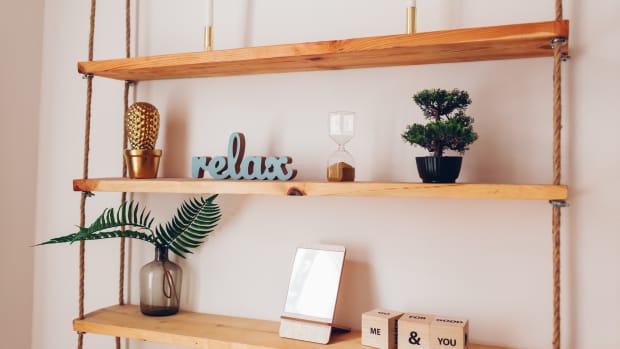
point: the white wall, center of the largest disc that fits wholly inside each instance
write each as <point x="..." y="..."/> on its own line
<point x="489" y="261"/>
<point x="21" y="33"/>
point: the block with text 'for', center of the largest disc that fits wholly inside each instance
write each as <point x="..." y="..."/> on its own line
<point x="379" y="328"/>
<point x="449" y="333"/>
<point x="414" y="331"/>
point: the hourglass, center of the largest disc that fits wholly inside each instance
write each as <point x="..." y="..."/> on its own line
<point x="341" y="166"/>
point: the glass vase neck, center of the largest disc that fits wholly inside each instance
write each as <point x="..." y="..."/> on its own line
<point x="161" y="253"/>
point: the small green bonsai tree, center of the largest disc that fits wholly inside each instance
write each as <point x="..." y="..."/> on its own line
<point x="194" y="220"/>
<point x="449" y="127"/>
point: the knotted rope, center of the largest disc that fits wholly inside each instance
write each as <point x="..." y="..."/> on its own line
<point x="121" y="271"/>
<point x="557" y="177"/>
<point x="89" y="95"/>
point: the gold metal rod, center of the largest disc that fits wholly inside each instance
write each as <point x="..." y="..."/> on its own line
<point x="411" y="20"/>
<point x="208" y="38"/>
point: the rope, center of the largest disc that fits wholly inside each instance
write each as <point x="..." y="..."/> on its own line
<point x="89" y="94"/>
<point x="121" y="277"/>
<point x="558" y="10"/>
<point x="557" y="179"/>
<point x="557" y="114"/>
<point x="121" y="271"/>
<point x="127" y="28"/>
<point x="556" y="276"/>
<point x="121" y="288"/>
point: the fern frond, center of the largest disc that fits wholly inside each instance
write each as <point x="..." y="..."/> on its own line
<point x="194" y="220"/>
<point x="137" y="221"/>
<point x="128" y="214"/>
<point x="101" y="235"/>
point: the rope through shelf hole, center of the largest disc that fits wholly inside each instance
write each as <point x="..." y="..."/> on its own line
<point x="84" y="196"/>
<point x="121" y="271"/>
<point x="557" y="178"/>
<point x="87" y="129"/>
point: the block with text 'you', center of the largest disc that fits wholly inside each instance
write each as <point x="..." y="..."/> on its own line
<point x="449" y="333"/>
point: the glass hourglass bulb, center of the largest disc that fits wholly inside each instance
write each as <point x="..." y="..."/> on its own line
<point x="340" y="165"/>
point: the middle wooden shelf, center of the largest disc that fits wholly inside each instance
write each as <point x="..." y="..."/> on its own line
<point x="294" y="188"/>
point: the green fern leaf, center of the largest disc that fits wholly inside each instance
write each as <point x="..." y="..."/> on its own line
<point x="194" y="220"/>
<point x="137" y="223"/>
<point x="128" y="214"/>
<point x="101" y="235"/>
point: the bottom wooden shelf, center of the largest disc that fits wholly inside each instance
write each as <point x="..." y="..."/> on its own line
<point x="195" y="330"/>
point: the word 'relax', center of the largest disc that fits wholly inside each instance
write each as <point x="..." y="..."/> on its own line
<point x="236" y="166"/>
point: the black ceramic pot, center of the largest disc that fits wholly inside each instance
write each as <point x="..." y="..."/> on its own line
<point x="444" y="169"/>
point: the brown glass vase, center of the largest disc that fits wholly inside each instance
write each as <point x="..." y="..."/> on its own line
<point x="160" y="285"/>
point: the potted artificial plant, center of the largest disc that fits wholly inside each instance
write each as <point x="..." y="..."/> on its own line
<point x="448" y="128"/>
<point x="160" y="280"/>
<point x="142" y="125"/>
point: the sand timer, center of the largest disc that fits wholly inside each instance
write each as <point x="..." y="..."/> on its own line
<point x="341" y="166"/>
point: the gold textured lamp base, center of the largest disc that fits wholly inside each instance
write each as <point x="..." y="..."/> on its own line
<point x="142" y="163"/>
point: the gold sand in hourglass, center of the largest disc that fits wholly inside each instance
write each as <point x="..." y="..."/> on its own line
<point x="340" y="172"/>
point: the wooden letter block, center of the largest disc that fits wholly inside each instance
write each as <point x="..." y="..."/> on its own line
<point x="414" y="331"/>
<point x="449" y="333"/>
<point x="379" y="328"/>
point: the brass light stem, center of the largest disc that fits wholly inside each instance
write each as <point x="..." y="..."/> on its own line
<point x="208" y="38"/>
<point x="411" y="20"/>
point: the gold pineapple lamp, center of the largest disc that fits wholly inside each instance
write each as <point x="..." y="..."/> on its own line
<point x="142" y="123"/>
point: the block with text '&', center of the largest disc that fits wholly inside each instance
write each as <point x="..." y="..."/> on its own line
<point x="414" y="331"/>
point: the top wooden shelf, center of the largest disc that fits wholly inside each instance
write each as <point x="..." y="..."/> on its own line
<point x="195" y="330"/>
<point x="527" y="40"/>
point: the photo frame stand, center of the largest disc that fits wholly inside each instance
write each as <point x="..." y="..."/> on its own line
<point x="312" y="295"/>
<point x="309" y="330"/>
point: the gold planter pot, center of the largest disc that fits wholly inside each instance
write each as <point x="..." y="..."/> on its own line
<point x="142" y="163"/>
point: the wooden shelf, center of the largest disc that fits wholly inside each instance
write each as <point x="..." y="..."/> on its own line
<point x="462" y="45"/>
<point x="376" y="189"/>
<point x="195" y="330"/>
